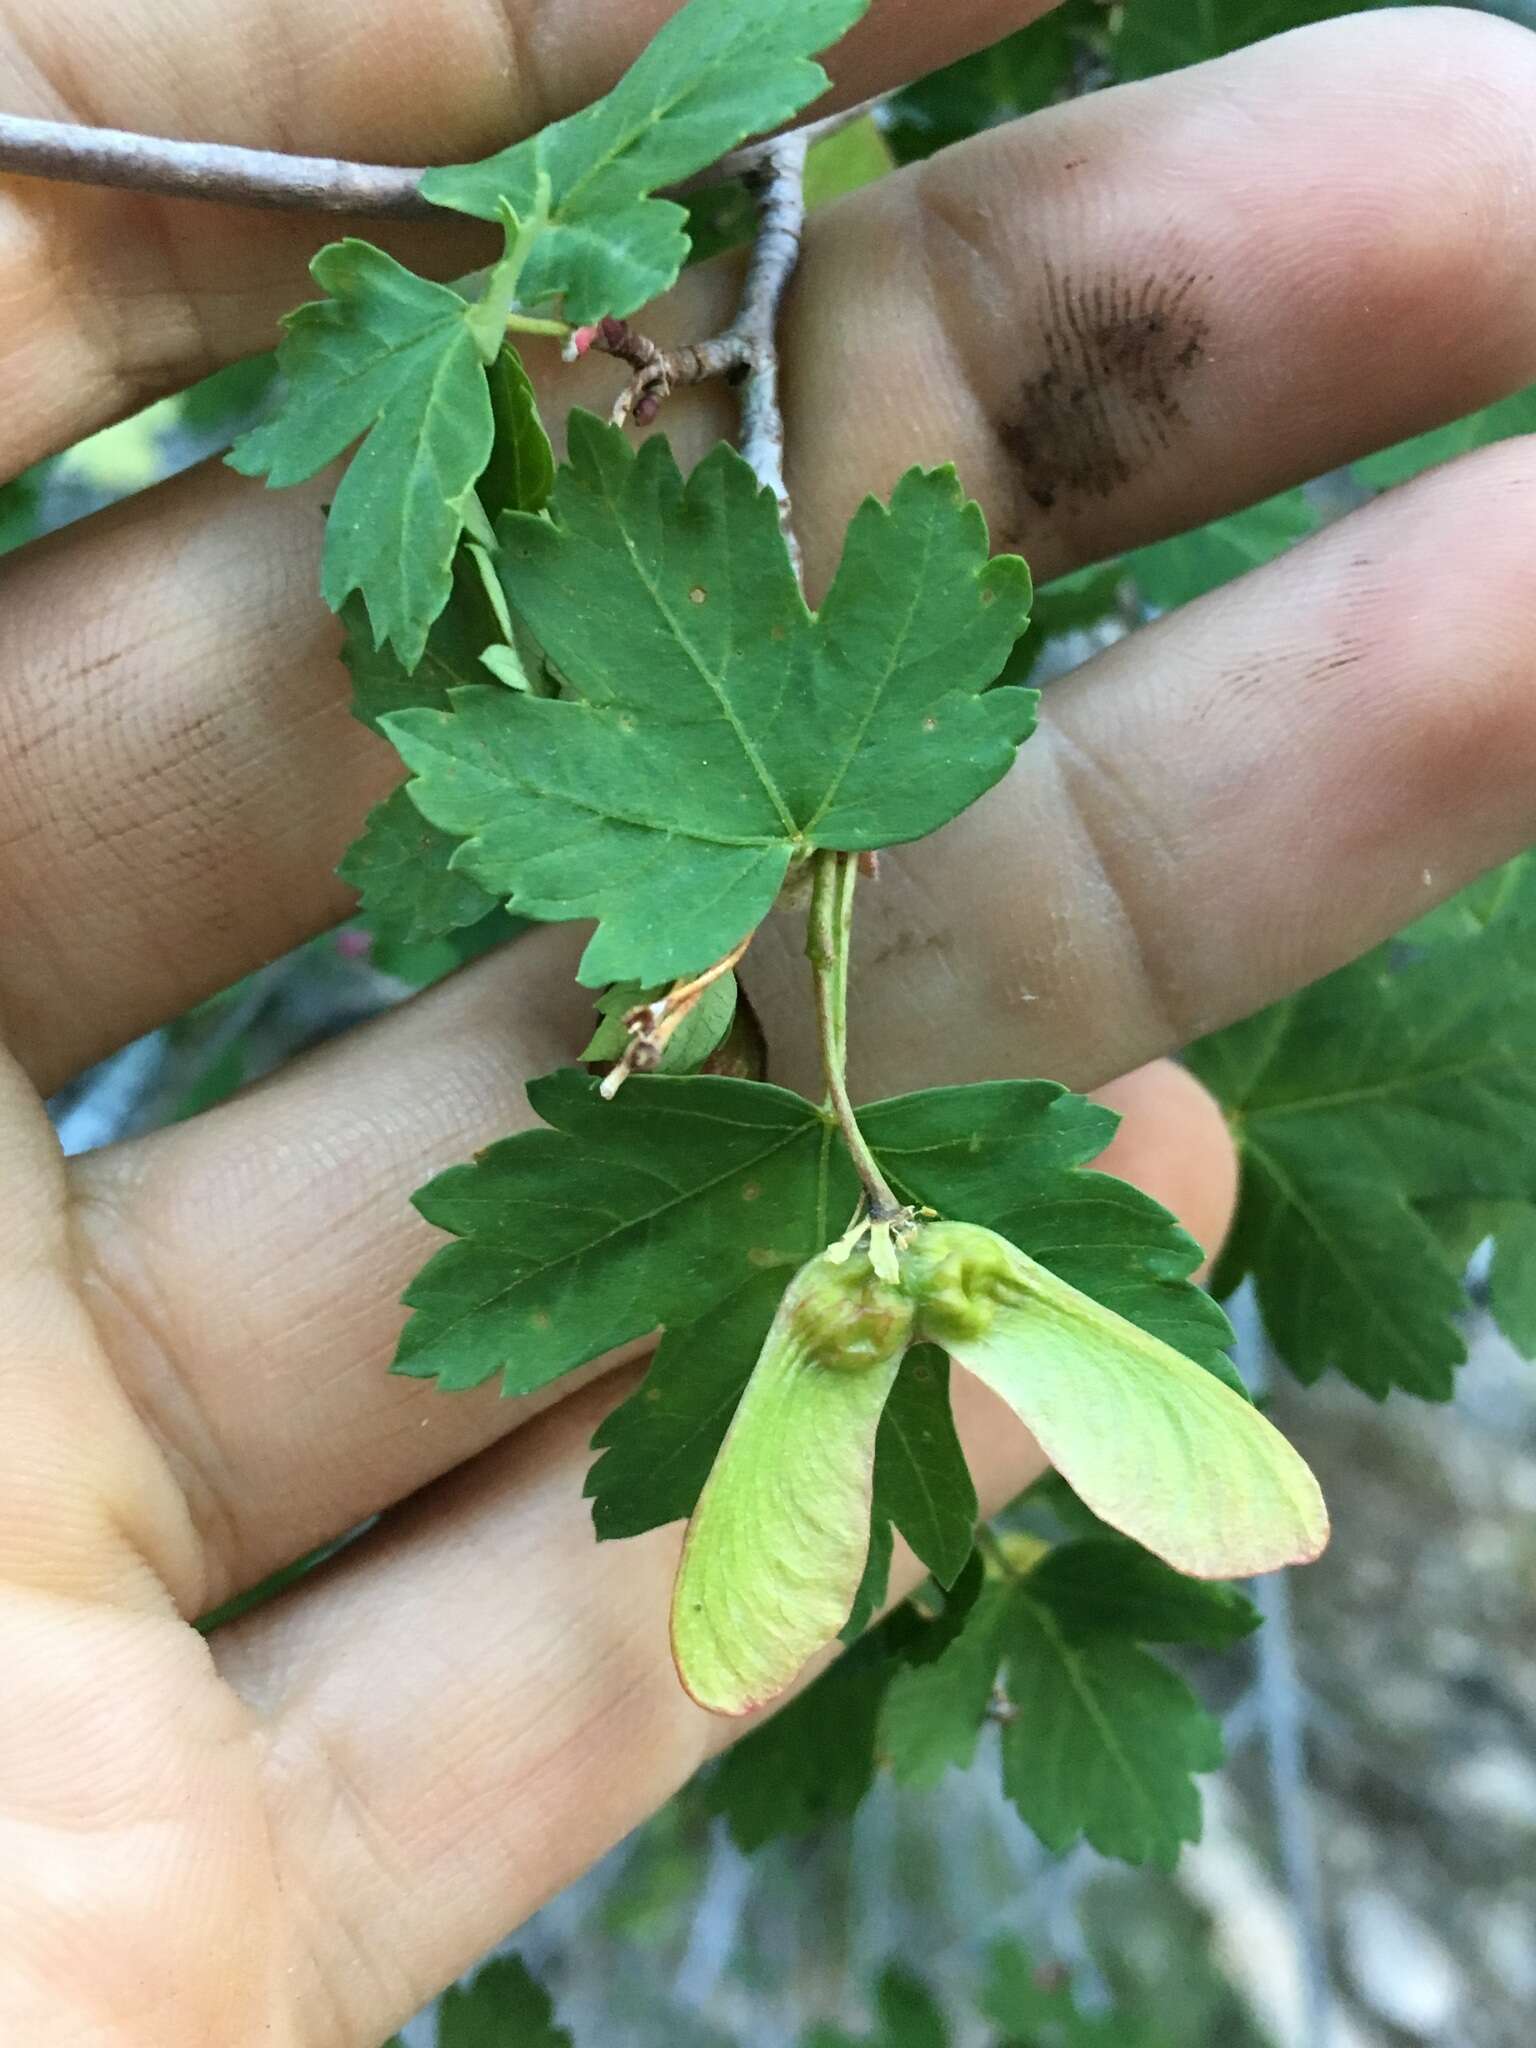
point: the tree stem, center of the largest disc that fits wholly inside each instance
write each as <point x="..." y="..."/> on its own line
<point x="210" y="170"/>
<point x="829" y="939"/>
<point x="172" y="168"/>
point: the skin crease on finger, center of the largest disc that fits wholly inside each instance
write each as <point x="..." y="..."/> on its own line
<point x="233" y="778"/>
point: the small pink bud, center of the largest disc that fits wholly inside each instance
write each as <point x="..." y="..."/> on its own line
<point x="582" y="339"/>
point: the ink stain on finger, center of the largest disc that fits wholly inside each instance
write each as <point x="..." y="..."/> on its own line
<point x="1104" y="402"/>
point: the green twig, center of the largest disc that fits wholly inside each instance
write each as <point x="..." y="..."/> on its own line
<point x="833" y="877"/>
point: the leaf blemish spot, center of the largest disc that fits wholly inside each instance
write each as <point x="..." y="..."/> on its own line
<point x="698" y="594"/>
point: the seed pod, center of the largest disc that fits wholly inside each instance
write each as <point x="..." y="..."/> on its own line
<point x="778" y="1542"/>
<point x="1157" y="1447"/>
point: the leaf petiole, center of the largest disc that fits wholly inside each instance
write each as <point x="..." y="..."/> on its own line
<point x="529" y="323"/>
<point x="828" y="941"/>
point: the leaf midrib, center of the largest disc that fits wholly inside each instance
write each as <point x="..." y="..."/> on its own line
<point x="1385" y="1090"/>
<point x="713" y="683"/>
<point x="877" y="694"/>
<point x="561" y="213"/>
<point x="1089" y="1702"/>
<point x="1374" y="1304"/>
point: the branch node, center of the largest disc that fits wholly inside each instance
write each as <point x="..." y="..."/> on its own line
<point x="651" y="1025"/>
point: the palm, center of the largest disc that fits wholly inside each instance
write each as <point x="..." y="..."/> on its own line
<point x="295" y="1834"/>
<point x="130" y="1773"/>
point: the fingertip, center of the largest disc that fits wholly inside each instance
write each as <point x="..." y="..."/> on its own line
<point x="1174" y="1144"/>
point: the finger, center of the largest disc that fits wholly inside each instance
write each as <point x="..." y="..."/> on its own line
<point x="1174" y="1141"/>
<point x="1133" y="312"/>
<point x="175" y="711"/>
<point x="113" y="298"/>
<point x="1247" y="794"/>
<point x="443" y="1796"/>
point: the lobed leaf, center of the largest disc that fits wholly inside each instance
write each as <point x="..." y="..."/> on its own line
<point x="934" y="1712"/>
<point x="1104" y="1741"/>
<point x="922" y="1482"/>
<point x="398" y="363"/>
<point x="1100" y="1586"/>
<point x="619" y="1217"/>
<point x="1398" y="1085"/>
<point x="1099" y="1739"/>
<point x="400" y="867"/>
<point x="717" y="730"/>
<point x="400" y="864"/>
<point x="716" y="73"/>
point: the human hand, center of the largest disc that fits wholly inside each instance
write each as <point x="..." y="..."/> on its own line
<point x="294" y="1834"/>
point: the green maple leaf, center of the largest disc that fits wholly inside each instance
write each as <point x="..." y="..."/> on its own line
<point x="718" y="729"/>
<point x="400" y="867"/>
<point x="1106" y="1586"/>
<point x="718" y="72"/>
<point x="620" y="1216"/>
<point x="933" y="1713"/>
<point x="922" y="1485"/>
<point x="1394" y="1087"/>
<point x="381" y="682"/>
<point x="787" y="1776"/>
<point x="400" y="864"/>
<point x="922" y="1482"/>
<point x="874" y="1586"/>
<point x="1100" y="1740"/>
<point x="400" y="364"/>
<point x="521" y="471"/>
<point x="1007" y="1154"/>
<point x="502" y="2004"/>
<point x="1106" y="1740"/>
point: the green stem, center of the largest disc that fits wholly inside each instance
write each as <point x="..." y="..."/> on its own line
<point x="529" y="323"/>
<point x="829" y="939"/>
